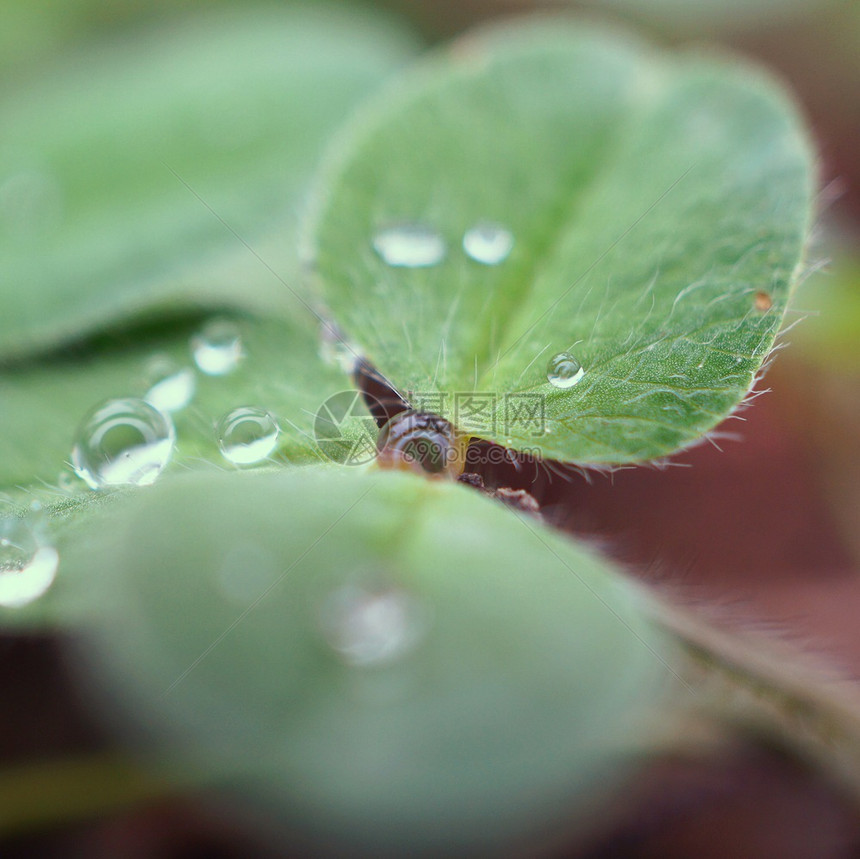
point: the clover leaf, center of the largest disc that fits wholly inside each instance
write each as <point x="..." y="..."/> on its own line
<point x="371" y="653"/>
<point x="657" y="209"/>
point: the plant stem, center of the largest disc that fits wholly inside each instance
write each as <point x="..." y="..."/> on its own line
<point x="766" y="687"/>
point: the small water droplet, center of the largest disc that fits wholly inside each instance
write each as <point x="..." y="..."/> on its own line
<point x="217" y="347"/>
<point x="28" y="562"/>
<point x="410" y="245"/>
<point x="171" y="386"/>
<point x="488" y="243"/>
<point x="564" y="371"/>
<point x="370" y="625"/>
<point x="247" y="435"/>
<point x="123" y="442"/>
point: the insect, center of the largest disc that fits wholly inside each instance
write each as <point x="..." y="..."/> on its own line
<point x="429" y="444"/>
<point x="423" y="442"/>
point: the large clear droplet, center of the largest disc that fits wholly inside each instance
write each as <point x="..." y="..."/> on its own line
<point x="488" y="243"/>
<point x="247" y="435"/>
<point x="217" y="347"/>
<point x="367" y="625"/>
<point x="28" y="562"/>
<point x="123" y="442"/>
<point x="410" y="245"/>
<point x="564" y="371"/>
<point x="171" y="385"/>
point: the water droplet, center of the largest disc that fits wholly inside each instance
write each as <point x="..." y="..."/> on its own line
<point x="247" y="435"/>
<point x="372" y="625"/>
<point x="123" y="442"/>
<point x="28" y="562"/>
<point x="564" y="371"/>
<point x="488" y="243"/>
<point x="410" y="245"/>
<point x="422" y="442"/>
<point x="171" y="385"/>
<point x="217" y="347"/>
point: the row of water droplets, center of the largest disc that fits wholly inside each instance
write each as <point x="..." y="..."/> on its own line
<point x="413" y="244"/>
<point x="129" y="441"/>
<point x="366" y="622"/>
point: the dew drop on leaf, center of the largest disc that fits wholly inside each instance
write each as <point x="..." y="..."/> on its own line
<point x="217" y="347"/>
<point x="410" y="245"/>
<point x="488" y="243"/>
<point x="171" y="385"/>
<point x="564" y="371"/>
<point x="371" y="625"/>
<point x="247" y="435"/>
<point x="28" y="562"/>
<point x="123" y="442"/>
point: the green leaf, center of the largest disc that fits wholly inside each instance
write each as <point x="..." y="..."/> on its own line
<point x="705" y="15"/>
<point x="659" y="209"/>
<point x="381" y="658"/>
<point x="45" y="402"/>
<point x="132" y="174"/>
